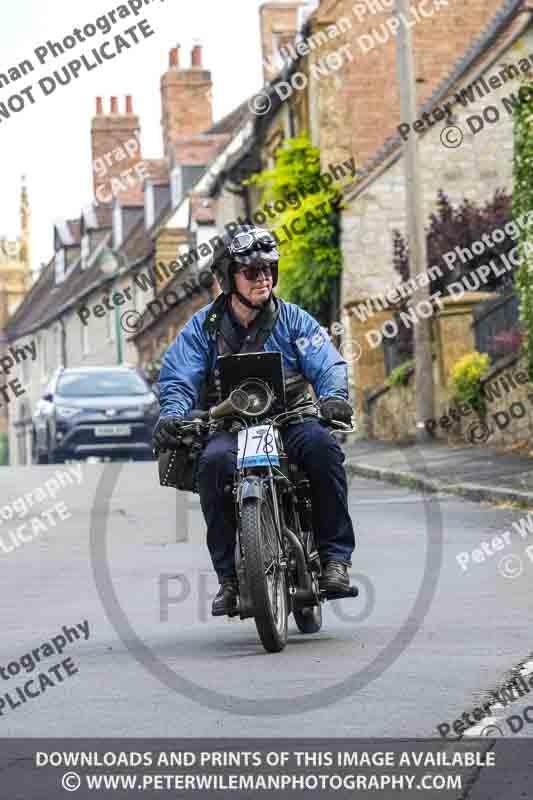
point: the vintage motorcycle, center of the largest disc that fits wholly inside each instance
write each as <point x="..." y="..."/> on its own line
<point x="276" y="560"/>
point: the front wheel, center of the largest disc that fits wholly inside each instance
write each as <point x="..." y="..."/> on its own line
<point x="265" y="576"/>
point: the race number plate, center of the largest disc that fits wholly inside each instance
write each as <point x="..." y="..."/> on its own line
<point x="257" y="447"/>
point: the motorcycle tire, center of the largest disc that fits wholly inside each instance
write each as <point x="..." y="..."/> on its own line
<point x="309" y="618"/>
<point x="261" y="547"/>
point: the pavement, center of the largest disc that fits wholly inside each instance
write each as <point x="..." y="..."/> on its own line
<point x="475" y="473"/>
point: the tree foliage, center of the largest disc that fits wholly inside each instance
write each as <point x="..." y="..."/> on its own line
<point x="522" y="204"/>
<point x="451" y="228"/>
<point x="311" y="261"/>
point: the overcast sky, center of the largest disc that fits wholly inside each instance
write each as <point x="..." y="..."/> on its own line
<point x="50" y="140"/>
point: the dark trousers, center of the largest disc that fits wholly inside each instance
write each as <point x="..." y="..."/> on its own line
<point x="308" y="444"/>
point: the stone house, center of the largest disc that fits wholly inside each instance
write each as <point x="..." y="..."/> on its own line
<point x="474" y="103"/>
<point x="110" y="260"/>
<point x="315" y="56"/>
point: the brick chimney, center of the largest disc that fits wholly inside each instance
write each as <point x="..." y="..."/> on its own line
<point x="185" y="98"/>
<point x="115" y="145"/>
<point x="279" y="26"/>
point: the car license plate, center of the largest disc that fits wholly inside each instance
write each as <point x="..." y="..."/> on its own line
<point x="113" y="430"/>
<point x="257" y="447"/>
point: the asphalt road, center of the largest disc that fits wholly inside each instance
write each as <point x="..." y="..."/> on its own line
<point x="401" y="671"/>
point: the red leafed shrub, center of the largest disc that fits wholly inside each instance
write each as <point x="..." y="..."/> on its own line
<point x="451" y="228"/>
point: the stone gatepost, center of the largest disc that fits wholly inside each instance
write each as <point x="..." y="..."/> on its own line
<point x="366" y="360"/>
<point x="454" y="332"/>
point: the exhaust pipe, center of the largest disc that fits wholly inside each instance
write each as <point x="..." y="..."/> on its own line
<point x="237" y="402"/>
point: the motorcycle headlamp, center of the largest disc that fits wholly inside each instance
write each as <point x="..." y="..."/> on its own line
<point x="260" y="397"/>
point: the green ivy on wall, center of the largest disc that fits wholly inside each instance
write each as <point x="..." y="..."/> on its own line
<point x="522" y="204"/>
<point x="311" y="261"/>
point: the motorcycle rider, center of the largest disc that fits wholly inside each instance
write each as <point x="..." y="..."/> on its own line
<point x="248" y="317"/>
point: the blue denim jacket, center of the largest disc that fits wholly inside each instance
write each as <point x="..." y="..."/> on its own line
<point x="305" y="348"/>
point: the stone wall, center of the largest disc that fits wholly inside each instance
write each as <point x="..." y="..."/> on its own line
<point x="364" y="109"/>
<point x="508" y="421"/>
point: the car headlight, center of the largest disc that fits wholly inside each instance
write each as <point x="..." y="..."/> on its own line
<point x="65" y="412"/>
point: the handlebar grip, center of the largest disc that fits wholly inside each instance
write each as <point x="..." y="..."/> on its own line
<point x="340" y="426"/>
<point x="203" y="415"/>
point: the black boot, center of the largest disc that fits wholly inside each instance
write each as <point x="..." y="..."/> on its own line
<point x="224" y="601"/>
<point x="335" y="576"/>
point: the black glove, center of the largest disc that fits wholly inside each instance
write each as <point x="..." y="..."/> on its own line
<point x="165" y="435"/>
<point x="335" y="408"/>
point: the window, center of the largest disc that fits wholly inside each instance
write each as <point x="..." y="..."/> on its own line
<point x="149" y="205"/>
<point x="25" y="371"/>
<point x="58" y="354"/>
<point x="100" y="384"/>
<point x="43" y="352"/>
<point x="117" y="226"/>
<point x="111" y="325"/>
<point x="85" y="349"/>
<point x="85" y="250"/>
<point x="176" y="186"/>
<point x="60" y="266"/>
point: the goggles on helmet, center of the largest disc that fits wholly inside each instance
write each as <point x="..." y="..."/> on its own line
<point x="248" y="241"/>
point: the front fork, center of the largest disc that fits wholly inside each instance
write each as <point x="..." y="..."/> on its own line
<point x="301" y="581"/>
<point x="253" y="486"/>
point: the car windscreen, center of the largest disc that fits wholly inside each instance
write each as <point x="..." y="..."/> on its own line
<point x="100" y="384"/>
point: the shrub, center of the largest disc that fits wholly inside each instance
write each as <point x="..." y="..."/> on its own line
<point x="451" y="227"/>
<point x="466" y="377"/>
<point x="400" y="375"/>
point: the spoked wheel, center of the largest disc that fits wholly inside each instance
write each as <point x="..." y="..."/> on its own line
<point x="309" y="618"/>
<point x="266" y="578"/>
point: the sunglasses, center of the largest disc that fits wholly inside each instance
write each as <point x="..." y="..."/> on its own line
<point x="252" y="273"/>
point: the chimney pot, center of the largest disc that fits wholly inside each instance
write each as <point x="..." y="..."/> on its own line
<point x="99" y="106"/>
<point x="114" y="105"/>
<point x="129" y="104"/>
<point x="196" y="56"/>
<point x="175" y="57"/>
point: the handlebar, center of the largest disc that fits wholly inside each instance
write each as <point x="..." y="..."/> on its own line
<point x="204" y="420"/>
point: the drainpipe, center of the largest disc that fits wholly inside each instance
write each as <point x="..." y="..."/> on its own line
<point x="292" y="126"/>
<point x="335" y="300"/>
<point x="63" y="342"/>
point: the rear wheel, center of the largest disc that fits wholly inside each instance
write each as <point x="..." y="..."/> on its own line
<point x="309" y="618"/>
<point x="265" y="577"/>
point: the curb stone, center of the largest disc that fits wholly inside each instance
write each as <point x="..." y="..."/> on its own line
<point x="470" y="491"/>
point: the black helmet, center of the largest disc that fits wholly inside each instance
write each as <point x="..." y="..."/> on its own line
<point x="245" y="246"/>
